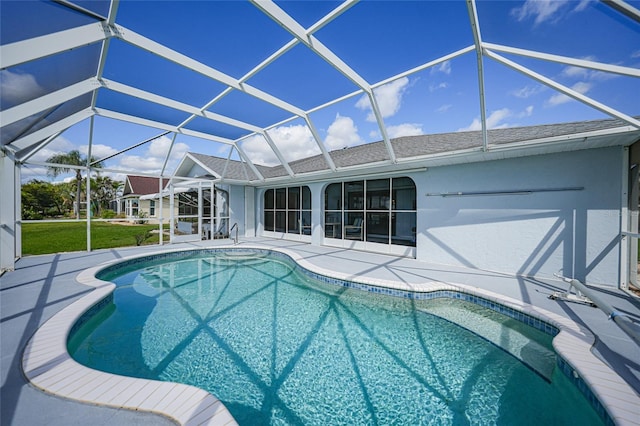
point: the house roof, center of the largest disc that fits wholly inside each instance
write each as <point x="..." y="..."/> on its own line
<point x="427" y="148"/>
<point x="142" y="185"/>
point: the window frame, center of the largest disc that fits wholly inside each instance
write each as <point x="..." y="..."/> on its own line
<point x="287" y="210"/>
<point x="363" y="206"/>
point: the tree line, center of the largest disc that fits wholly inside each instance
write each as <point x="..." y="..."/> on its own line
<point x="42" y="199"/>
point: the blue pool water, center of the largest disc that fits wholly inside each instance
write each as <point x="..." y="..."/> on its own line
<point x="280" y="348"/>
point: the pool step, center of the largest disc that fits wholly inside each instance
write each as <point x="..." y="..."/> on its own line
<point x="244" y="255"/>
<point x="497" y="329"/>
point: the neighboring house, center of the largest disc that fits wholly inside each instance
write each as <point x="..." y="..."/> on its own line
<point x="140" y="199"/>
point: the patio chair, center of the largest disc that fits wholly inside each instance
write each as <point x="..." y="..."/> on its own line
<point x="354" y="232"/>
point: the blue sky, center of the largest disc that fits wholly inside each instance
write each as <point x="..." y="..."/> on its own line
<point x="377" y="39"/>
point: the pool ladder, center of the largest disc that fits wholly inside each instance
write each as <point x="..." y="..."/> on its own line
<point x="235" y="240"/>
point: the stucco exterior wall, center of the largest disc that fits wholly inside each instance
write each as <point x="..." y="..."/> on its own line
<point x="574" y="232"/>
<point x="236" y="208"/>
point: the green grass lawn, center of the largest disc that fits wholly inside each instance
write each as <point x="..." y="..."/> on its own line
<point x="44" y="238"/>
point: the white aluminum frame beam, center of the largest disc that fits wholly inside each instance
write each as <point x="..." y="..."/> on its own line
<point x="582" y="63"/>
<point x="158" y="125"/>
<point x="166" y="159"/>
<point x="624" y="8"/>
<point x="45" y="132"/>
<point x="276" y="151"/>
<point x="20" y="52"/>
<point x="180" y="106"/>
<point x="160" y="50"/>
<point x="246" y="158"/>
<point x="284" y="49"/>
<point x="10" y="235"/>
<point x="27" y="153"/>
<point x="226" y="163"/>
<point x="80" y="9"/>
<point x="113" y="10"/>
<point x="475" y="29"/>
<point x="563" y="89"/>
<point x="426" y="65"/>
<point x="274" y="12"/>
<point x="88" y="184"/>
<point x="318" y="140"/>
<point x="339" y="10"/>
<point x="292" y="26"/>
<point x="50" y="100"/>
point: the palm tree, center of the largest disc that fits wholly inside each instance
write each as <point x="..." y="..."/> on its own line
<point x="72" y="158"/>
<point x="105" y="192"/>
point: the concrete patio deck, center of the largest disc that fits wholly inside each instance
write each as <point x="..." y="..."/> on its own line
<point x="43" y="285"/>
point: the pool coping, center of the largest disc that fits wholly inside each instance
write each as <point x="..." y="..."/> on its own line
<point x="48" y="366"/>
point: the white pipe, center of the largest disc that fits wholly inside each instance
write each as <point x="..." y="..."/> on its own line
<point x="623" y="321"/>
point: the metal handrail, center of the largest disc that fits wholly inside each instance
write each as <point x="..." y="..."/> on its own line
<point x="235" y="225"/>
<point x="623" y="321"/>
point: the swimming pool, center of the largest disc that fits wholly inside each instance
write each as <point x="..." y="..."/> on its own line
<point x="278" y="347"/>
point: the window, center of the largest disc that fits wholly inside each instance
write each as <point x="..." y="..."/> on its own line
<point x="378" y="211"/>
<point x="152" y="208"/>
<point x="288" y="210"/>
<point x="131" y="207"/>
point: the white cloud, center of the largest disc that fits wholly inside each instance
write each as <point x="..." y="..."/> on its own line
<point x="342" y="133"/>
<point x="294" y="142"/>
<point x="98" y="151"/>
<point x="560" y="98"/>
<point x="444" y="108"/>
<point x="434" y="87"/>
<point x="28" y="173"/>
<point x="540" y="10"/>
<point x="388" y="97"/>
<point x="258" y="151"/>
<point x="586" y="74"/>
<point x="160" y="146"/>
<point x="548" y="10"/>
<point x="528" y="112"/>
<point x="149" y="160"/>
<point x="494" y="121"/>
<point x="152" y="158"/>
<point x="405" y="129"/>
<point x="139" y="163"/>
<point x="635" y="54"/>
<point x="17" y="88"/>
<point x="582" y="5"/>
<point x="575" y="72"/>
<point x="59" y="145"/>
<point x="444" y="67"/>
<point x="527" y="91"/>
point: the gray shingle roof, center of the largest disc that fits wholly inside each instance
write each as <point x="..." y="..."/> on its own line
<point x="235" y="170"/>
<point x="411" y="146"/>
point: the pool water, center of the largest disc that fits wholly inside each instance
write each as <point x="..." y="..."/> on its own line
<point x="280" y="348"/>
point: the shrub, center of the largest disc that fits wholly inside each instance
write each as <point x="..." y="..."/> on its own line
<point x="30" y="214"/>
<point x="141" y="219"/>
<point x="141" y="238"/>
<point x="107" y="214"/>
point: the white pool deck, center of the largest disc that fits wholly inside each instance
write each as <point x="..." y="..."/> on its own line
<point x="42" y="298"/>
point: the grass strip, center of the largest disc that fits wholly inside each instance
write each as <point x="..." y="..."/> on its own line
<point x="45" y="238"/>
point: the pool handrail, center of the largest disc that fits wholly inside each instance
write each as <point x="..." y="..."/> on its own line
<point x="621" y="320"/>
<point x="235" y="240"/>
